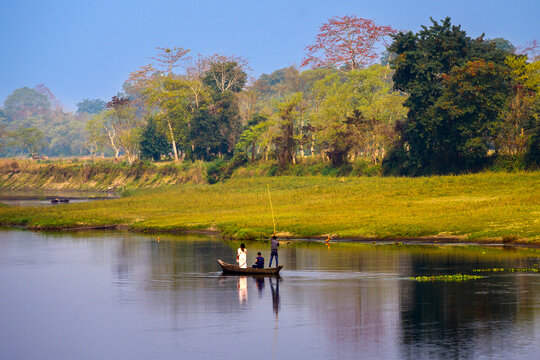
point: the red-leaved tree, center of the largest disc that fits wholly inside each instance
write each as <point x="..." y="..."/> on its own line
<point x="346" y="43"/>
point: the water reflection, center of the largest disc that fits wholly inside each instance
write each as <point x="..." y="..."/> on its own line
<point x="168" y="299"/>
<point x="275" y="294"/>
<point x="259" y="281"/>
<point x="242" y="289"/>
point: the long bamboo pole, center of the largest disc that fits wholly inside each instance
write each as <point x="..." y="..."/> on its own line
<point x="271" y="208"/>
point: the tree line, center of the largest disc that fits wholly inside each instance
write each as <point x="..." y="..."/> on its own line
<point x="437" y="102"/>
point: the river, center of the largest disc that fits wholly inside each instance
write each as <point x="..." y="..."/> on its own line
<point x="119" y="295"/>
<point x="50" y="197"/>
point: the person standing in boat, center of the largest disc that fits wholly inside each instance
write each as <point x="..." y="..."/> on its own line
<point x="274" y="243"/>
<point x="241" y="257"/>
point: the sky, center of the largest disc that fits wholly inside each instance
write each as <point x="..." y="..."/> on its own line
<point x="86" y="49"/>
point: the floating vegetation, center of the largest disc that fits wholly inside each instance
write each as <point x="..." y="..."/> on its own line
<point x="455" y="277"/>
<point x="508" y="270"/>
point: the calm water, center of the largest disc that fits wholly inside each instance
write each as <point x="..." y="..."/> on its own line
<point x="113" y="295"/>
<point x="43" y="198"/>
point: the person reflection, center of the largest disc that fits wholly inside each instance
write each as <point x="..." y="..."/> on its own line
<point x="242" y="290"/>
<point x="259" y="280"/>
<point x="275" y="295"/>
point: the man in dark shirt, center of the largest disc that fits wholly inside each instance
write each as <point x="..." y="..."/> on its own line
<point x="259" y="262"/>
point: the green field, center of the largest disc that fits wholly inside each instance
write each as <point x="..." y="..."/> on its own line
<point x="489" y="206"/>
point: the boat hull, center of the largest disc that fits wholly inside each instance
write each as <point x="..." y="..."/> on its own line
<point x="237" y="270"/>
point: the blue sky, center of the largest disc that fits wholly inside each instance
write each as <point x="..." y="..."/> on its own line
<point x="86" y="49"/>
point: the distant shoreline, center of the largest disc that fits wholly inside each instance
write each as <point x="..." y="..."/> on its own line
<point x="426" y="240"/>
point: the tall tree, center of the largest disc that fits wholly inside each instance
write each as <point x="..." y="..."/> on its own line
<point x="423" y="69"/>
<point x="225" y="73"/>
<point x="285" y="128"/>
<point x="169" y="58"/>
<point x="503" y="44"/>
<point x="522" y="116"/>
<point x="4" y="135"/>
<point x="97" y="135"/>
<point x="346" y="43"/>
<point x="55" y="103"/>
<point x="333" y="120"/>
<point x="250" y="139"/>
<point x="88" y="106"/>
<point x="31" y="139"/>
<point x="119" y="125"/>
<point x="153" y="143"/>
<point x="216" y="127"/>
<point x="172" y="98"/>
<point x="469" y="112"/>
<point x="24" y="103"/>
<point x="381" y="109"/>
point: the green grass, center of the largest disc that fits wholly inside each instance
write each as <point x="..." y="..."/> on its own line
<point x="487" y="206"/>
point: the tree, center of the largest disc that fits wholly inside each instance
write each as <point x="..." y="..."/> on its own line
<point x="469" y="112"/>
<point x="118" y="125"/>
<point x="424" y="69"/>
<point x="90" y="106"/>
<point x="285" y="124"/>
<point x="530" y="49"/>
<point x="355" y="114"/>
<point x="104" y="128"/>
<point x="97" y="136"/>
<point x="124" y="126"/>
<point x="24" y="103"/>
<point x="172" y="98"/>
<point x="216" y="127"/>
<point x="32" y="139"/>
<point x="4" y="135"/>
<point x="502" y="44"/>
<point x="522" y="114"/>
<point x="346" y="43"/>
<point x="334" y="120"/>
<point x="381" y="109"/>
<point x="153" y="143"/>
<point x="38" y="108"/>
<point x="55" y="103"/>
<point x="248" y="104"/>
<point x="225" y="73"/>
<point x="251" y="137"/>
<point x="169" y="58"/>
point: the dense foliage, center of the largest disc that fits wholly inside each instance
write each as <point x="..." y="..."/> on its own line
<point x="439" y="102"/>
<point x="457" y="87"/>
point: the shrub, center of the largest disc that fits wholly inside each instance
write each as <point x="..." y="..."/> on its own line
<point x="508" y="163"/>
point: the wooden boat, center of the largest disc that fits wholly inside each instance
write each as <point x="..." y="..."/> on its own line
<point x="56" y="201"/>
<point x="237" y="270"/>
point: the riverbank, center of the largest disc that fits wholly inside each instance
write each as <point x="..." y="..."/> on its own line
<point x="487" y="207"/>
<point x="103" y="175"/>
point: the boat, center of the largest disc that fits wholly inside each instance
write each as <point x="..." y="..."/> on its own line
<point x="237" y="270"/>
<point x="57" y="200"/>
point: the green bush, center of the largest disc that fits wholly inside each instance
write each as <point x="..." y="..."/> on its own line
<point x="507" y="163"/>
<point x="213" y="171"/>
<point x="272" y="171"/>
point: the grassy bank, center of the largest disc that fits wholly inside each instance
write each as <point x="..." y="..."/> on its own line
<point x="488" y="206"/>
<point x="95" y="175"/>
